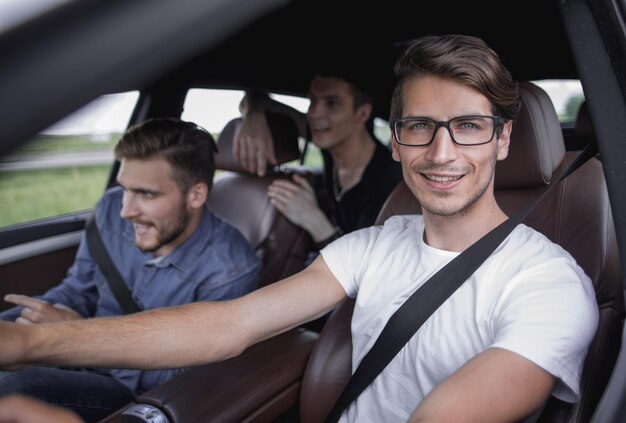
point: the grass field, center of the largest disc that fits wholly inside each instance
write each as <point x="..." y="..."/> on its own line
<point x="35" y="194"/>
<point x="28" y="195"/>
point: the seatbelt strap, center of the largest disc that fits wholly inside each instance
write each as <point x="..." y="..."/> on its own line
<point x="433" y="293"/>
<point x="102" y="258"/>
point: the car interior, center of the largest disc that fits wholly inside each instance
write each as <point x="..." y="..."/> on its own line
<point x="274" y="45"/>
<point x="282" y="246"/>
<point x="578" y="209"/>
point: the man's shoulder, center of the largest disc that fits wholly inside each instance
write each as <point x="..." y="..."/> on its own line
<point x="532" y="247"/>
<point x="403" y="222"/>
<point x="225" y="233"/>
<point x="111" y="197"/>
<point x="394" y="228"/>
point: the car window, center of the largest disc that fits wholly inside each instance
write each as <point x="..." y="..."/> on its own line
<point x="214" y="108"/>
<point x="65" y="168"/>
<point x="567" y="96"/>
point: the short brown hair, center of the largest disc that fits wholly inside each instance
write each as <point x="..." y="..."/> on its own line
<point x="462" y="58"/>
<point x="187" y="147"/>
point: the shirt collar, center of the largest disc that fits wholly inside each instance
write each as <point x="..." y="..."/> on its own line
<point x="188" y="252"/>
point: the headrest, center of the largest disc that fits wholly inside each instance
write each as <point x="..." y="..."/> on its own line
<point x="537" y="147"/>
<point x="284" y="133"/>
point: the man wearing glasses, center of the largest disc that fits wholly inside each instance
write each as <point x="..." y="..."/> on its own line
<point x="514" y="333"/>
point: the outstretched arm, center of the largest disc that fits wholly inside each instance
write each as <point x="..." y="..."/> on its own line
<point x="495" y="386"/>
<point x="187" y="335"/>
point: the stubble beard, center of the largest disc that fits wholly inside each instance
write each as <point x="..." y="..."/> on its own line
<point x="460" y="210"/>
<point x="171" y="231"/>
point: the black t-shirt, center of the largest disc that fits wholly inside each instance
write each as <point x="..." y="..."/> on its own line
<point x="358" y="207"/>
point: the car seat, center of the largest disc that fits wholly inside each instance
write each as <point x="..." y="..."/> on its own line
<point x="240" y="199"/>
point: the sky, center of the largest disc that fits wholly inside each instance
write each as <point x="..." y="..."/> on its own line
<point x="211" y="109"/>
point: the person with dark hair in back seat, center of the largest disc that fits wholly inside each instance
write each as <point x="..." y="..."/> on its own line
<point x="514" y="333"/>
<point x="168" y="247"/>
<point x="359" y="172"/>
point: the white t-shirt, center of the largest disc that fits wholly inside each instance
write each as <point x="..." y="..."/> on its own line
<point x="529" y="297"/>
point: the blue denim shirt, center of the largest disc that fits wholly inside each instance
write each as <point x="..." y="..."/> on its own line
<point x="215" y="263"/>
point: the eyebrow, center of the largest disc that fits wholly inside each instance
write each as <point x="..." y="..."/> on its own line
<point x="140" y="190"/>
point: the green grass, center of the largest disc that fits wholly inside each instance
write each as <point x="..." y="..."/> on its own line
<point x="36" y="194"/>
<point x="29" y="195"/>
<point x="43" y="143"/>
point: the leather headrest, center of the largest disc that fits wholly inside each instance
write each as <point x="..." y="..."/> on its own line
<point x="536" y="147"/>
<point x="284" y="133"/>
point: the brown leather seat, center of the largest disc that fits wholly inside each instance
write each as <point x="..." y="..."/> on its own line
<point x="575" y="215"/>
<point x="241" y="199"/>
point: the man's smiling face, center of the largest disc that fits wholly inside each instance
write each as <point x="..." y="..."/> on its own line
<point x="155" y="204"/>
<point x="447" y="178"/>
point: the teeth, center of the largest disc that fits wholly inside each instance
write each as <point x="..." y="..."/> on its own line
<point x="443" y="178"/>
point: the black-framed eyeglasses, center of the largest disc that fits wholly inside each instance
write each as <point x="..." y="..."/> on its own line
<point x="464" y="130"/>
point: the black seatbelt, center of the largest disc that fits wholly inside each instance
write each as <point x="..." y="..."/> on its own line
<point x="422" y="303"/>
<point x="101" y="256"/>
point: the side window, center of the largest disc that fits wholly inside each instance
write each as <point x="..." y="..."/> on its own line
<point x="65" y="168"/>
<point x="211" y="109"/>
<point x="382" y="131"/>
<point x="567" y="96"/>
<point x="214" y="108"/>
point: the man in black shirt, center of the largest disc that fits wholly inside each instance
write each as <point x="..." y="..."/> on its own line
<point x="359" y="172"/>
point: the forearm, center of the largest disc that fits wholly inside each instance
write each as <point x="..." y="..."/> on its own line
<point x="495" y="386"/>
<point x="183" y="336"/>
<point x="158" y="339"/>
<point x="319" y="226"/>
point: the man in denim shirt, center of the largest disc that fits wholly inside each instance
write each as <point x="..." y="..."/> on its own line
<point x="168" y="247"/>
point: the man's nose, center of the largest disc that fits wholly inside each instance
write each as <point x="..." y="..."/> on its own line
<point x="314" y="110"/>
<point x="442" y="149"/>
<point x="129" y="207"/>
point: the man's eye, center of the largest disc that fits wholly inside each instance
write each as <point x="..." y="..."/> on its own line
<point x="419" y="125"/>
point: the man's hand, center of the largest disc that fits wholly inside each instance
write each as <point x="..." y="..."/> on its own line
<point x="296" y="200"/>
<point x="39" y="311"/>
<point x="22" y="409"/>
<point x="253" y="146"/>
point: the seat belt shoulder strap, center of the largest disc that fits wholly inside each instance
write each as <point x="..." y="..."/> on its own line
<point x="101" y="256"/>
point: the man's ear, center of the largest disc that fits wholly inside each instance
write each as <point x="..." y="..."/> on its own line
<point x="504" y="140"/>
<point x="395" y="153"/>
<point x="197" y="195"/>
<point x="364" y="111"/>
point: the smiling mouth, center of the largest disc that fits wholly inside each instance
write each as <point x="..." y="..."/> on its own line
<point x="436" y="178"/>
<point x="141" y="228"/>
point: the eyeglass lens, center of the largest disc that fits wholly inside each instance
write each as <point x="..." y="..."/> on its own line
<point x="466" y="130"/>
